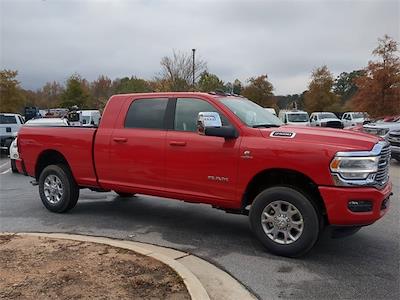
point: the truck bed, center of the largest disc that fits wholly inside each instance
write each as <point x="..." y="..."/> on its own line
<point x="74" y="143"/>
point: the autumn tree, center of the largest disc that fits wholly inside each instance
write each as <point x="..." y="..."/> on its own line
<point x="177" y="72"/>
<point x="379" y="89"/>
<point x="75" y="93"/>
<point x="260" y="90"/>
<point x="100" y="91"/>
<point x="11" y="96"/>
<point x="209" y="82"/>
<point x="320" y="96"/>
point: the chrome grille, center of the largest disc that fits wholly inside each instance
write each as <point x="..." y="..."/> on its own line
<point x="382" y="176"/>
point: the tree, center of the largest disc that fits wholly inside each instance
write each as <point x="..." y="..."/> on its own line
<point x="177" y="72"/>
<point x="379" y="88"/>
<point x="50" y="95"/>
<point x="237" y="87"/>
<point x="100" y="90"/>
<point x="11" y="97"/>
<point x="131" y="85"/>
<point x="76" y="92"/>
<point x="260" y="90"/>
<point x="320" y="96"/>
<point x="345" y="86"/>
<point x="209" y="82"/>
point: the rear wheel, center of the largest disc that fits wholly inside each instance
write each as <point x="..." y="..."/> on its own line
<point x="285" y="221"/>
<point x="58" y="189"/>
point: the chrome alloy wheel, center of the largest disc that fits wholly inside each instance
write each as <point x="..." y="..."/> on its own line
<point x="282" y="222"/>
<point x="53" y="189"/>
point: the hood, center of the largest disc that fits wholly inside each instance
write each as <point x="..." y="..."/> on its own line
<point x="340" y="139"/>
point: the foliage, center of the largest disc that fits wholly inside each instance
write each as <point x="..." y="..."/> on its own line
<point x="177" y="72"/>
<point x="11" y="96"/>
<point x="320" y="96"/>
<point x="76" y="93"/>
<point x="260" y="90"/>
<point x="237" y="87"/>
<point x="209" y="82"/>
<point x="100" y="90"/>
<point x="379" y="88"/>
<point x="131" y="85"/>
<point x="345" y="86"/>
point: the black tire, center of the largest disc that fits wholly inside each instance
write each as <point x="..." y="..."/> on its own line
<point x="70" y="193"/>
<point x="311" y="222"/>
<point x="125" y="195"/>
<point x="13" y="166"/>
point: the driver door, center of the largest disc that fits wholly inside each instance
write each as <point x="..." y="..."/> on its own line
<point x="199" y="166"/>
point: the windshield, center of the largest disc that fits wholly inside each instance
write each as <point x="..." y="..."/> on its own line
<point x="249" y="112"/>
<point x="327" y="116"/>
<point x="297" y="117"/>
<point x="358" y="115"/>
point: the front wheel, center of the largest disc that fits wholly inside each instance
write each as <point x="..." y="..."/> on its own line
<point x="285" y="221"/>
<point x="58" y="189"/>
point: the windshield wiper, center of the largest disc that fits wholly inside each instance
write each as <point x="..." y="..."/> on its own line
<point x="266" y="125"/>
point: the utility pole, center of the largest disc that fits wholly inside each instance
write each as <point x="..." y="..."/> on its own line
<point x="194" y="51"/>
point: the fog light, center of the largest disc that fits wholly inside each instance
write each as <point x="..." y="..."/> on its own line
<point x="360" y="206"/>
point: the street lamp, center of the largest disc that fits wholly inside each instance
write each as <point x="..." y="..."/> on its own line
<point x="194" y="51"/>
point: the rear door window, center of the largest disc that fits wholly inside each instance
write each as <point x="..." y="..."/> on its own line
<point x="147" y="113"/>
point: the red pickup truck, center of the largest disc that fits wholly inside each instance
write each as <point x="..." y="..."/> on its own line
<point x="221" y="150"/>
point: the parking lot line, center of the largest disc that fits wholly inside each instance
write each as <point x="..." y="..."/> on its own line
<point x="6" y="171"/>
<point x="3" y="164"/>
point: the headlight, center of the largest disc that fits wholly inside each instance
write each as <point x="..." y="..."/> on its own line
<point x="354" y="168"/>
<point x="383" y="131"/>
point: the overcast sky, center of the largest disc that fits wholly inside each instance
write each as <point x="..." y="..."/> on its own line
<point x="48" y="40"/>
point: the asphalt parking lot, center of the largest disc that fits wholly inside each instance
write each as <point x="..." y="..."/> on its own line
<point x="363" y="266"/>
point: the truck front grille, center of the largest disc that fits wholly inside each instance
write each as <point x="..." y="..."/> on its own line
<point x="382" y="176"/>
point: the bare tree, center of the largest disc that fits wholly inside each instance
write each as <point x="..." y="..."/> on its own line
<point x="177" y="71"/>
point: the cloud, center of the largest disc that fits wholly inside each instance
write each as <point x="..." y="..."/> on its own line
<point x="50" y="40"/>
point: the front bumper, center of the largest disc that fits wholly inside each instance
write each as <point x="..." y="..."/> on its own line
<point x="337" y="201"/>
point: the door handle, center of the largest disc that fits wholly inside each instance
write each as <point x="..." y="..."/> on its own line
<point x="175" y="143"/>
<point x="120" y="140"/>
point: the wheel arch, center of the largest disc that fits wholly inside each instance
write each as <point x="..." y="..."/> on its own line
<point x="283" y="177"/>
<point x="49" y="157"/>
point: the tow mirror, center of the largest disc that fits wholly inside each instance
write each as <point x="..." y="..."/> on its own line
<point x="209" y="124"/>
<point x="84" y="121"/>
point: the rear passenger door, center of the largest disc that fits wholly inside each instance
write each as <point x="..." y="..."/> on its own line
<point x="137" y="146"/>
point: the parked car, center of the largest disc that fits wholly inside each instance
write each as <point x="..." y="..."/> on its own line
<point x="13" y="150"/>
<point x="221" y="150"/>
<point x="271" y="110"/>
<point x="9" y="127"/>
<point x="354" y="118"/>
<point x="325" y="119"/>
<point x="394" y="140"/>
<point x="294" y="117"/>
<point x="381" y="129"/>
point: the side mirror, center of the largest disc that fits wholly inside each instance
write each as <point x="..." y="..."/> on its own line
<point x="83" y="121"/>
<point x="209" y="124"/>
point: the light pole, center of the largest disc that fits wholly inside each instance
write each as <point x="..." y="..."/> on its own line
<point x="194" y="51"/>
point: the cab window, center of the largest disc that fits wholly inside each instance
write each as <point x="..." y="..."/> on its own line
<point x="146" y="113"/>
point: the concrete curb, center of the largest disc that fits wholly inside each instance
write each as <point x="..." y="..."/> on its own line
<point x="203" y="280"/>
